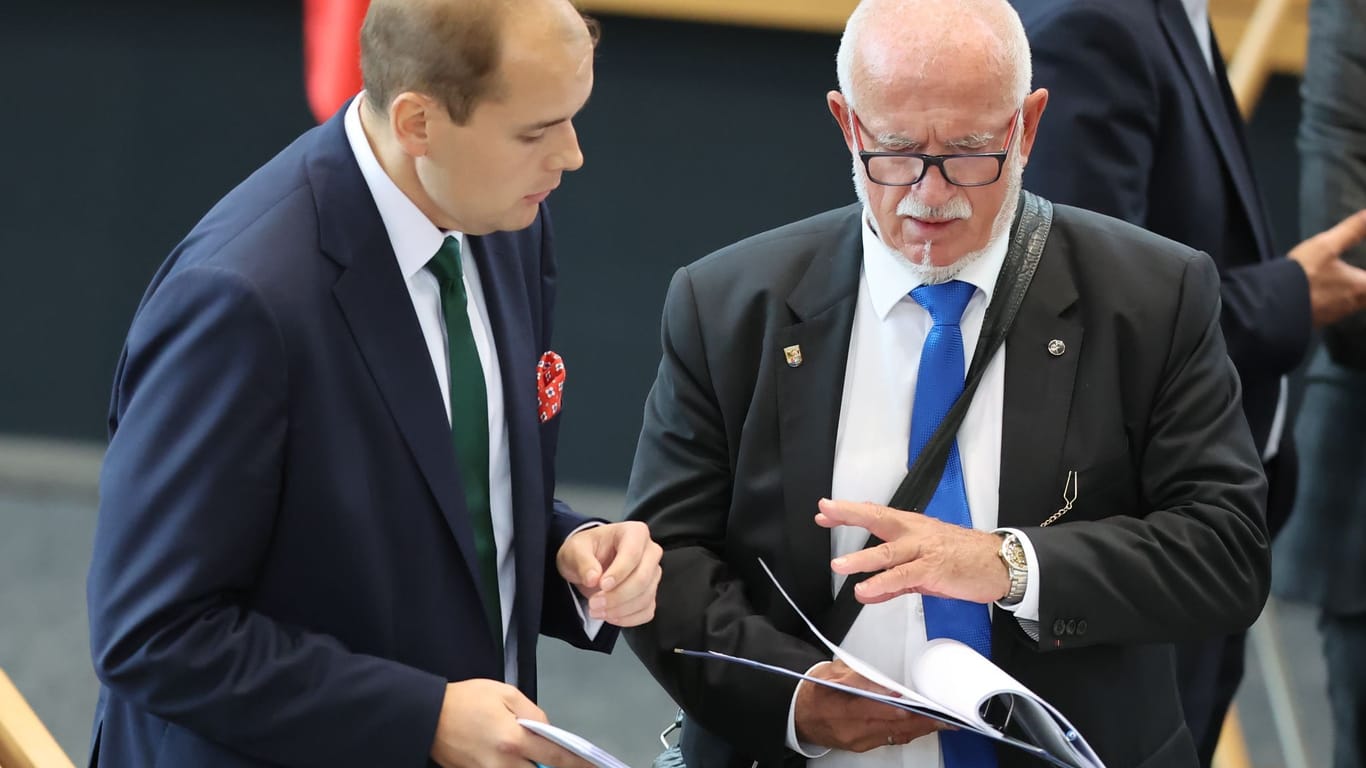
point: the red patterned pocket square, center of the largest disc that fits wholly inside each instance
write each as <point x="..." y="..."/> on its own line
<point x="549" y="386"/>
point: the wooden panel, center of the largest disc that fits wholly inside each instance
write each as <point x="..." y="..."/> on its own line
<point x="1229" y="18"/>
<point x="811" y="15"/>
<point x="1288" y="49"/>
<point x="24" y="741"/>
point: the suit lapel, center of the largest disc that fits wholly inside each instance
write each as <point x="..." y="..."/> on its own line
<point x="505" y="296"/>
<point x="375" y="302"/>
<point x="1218" y="111"/>
<point x="809" y="397"/>
<point x="1039" y="380"/>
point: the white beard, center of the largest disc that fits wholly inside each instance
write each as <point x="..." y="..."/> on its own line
<point x="957" y="208"/>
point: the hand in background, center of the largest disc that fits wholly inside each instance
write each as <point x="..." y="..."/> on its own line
<point x="616" y="567"/>
<point x="829" y="718"/>
<point x="918" y="554"/>
<point x="1336" y="289"/>
<point x="478" y="729"/>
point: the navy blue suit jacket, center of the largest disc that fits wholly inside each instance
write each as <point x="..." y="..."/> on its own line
<point x="284" y="569"/>
<point x="1138" y="128"/>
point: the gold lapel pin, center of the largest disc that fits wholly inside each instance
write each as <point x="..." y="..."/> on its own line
<point x="793" y="355"/>
<point x="1056" y="348"/>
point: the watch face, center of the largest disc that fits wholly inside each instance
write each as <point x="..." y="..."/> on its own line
<point x="1014" y="553"/>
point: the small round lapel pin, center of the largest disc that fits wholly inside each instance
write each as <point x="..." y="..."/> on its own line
<point x="1056" y="348"/>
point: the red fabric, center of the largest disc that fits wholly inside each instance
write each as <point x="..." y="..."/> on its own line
<point x="549" y="386"/>
<point x="332" y="53"/>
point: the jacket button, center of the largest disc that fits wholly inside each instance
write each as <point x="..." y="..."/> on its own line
<point x="1081" y="627"/>
<point x="1071" y="627"/>
<point x="1059" y="628"/>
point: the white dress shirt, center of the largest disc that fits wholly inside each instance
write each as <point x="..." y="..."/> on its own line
<point x="1198" y="13"/>
<point x="416" y="240"/>
<point x="871" y="448"/>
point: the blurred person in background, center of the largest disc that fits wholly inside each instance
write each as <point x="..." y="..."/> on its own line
<point x="1145" y="129"/>
<point x="1321" y="554"/>
<point x="327" y="532"/>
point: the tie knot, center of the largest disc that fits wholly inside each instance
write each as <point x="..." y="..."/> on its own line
<point x="445" y="265"/>
<point x="944" y="301"/>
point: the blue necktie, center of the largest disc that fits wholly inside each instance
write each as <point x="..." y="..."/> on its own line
<point x="939" y="383"/>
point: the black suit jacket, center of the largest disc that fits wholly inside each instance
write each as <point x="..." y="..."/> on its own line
<point x="1138" y="128"/>
<point x="284" y="569"/>
<point x="1166" y="540"/>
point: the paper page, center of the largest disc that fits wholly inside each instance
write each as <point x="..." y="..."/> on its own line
<point x="959" y="678"/>
<point x="962" y="680"/>
<point x="574" y="743"/>
<point x="868" y="671"/>
<point x="893" y="700"/>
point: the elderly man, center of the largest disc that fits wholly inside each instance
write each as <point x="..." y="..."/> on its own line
<point x="1103" y="496"/>
<point x="327" y="532"/>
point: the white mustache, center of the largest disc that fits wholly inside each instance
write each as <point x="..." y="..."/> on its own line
<point x="956" y="208"/>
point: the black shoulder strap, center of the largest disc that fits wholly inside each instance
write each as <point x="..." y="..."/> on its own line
<point x="1028" y="238"/>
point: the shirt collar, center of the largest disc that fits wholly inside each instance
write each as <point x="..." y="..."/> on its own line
<point x="890" y="277"/>
<point x="414" y="237"/>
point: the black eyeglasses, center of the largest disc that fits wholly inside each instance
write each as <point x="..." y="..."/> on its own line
<point x="904" y="169"/>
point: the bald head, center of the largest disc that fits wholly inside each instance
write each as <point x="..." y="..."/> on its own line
<point x="452" y="50"/>
<point x="954" y="44"/>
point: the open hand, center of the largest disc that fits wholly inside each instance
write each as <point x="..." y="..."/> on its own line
<point x="616" y="567"/>
<point x="918" y="554"/>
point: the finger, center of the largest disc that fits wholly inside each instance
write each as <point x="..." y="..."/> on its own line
<point x="632" y="542"/>
<point x="904" y="578"/>
<point x="547" y="753"/>
<point x="577" y="559"/>
<point x="1347" y="233"/>
<point x="640" y="582"/>
<point x="520" y="706"/>
<point x="883" y="522"/>
<point x="888" y="554"/>
<point x="621" y="603"/>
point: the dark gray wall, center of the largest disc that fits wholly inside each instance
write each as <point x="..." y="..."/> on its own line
<point x="127" y="120"/>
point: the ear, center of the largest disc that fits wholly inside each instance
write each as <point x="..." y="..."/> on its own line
<point x="1032" y="111"/>
<point x="839" y="108"/>
<point x="409" y="116"/>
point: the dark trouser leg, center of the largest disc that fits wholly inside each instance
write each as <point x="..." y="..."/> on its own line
<point x="1209" y="672"/>
<point x="1344" y="650"/>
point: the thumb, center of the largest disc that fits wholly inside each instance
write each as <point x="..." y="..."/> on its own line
<point x="578" y="562"/>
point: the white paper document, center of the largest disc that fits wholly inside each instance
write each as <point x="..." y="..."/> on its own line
<point x="952" y="683"/>
<point x="574" y="743"/>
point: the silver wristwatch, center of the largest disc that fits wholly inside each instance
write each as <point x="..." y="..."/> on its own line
<point x="1013" y="555"/>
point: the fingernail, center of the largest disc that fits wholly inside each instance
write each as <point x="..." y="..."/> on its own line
<point x="838" y="562"/>
<point x="609" y="582"/>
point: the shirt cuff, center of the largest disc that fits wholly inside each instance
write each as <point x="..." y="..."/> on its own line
<point x="591" y="626"/>
<point x="809" y="751"/>
<point x="1027" y="610"/>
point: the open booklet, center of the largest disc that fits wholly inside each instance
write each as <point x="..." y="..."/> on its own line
<point x="574" y="743"/>
<point x="952" y="683"/>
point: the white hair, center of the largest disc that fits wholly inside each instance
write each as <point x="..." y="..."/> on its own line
<point x="997" y="16"/>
